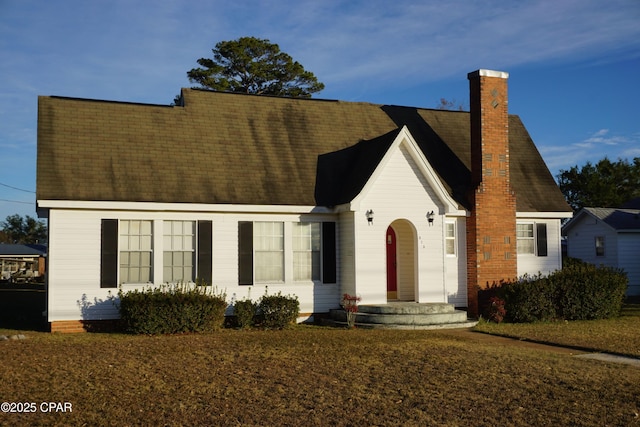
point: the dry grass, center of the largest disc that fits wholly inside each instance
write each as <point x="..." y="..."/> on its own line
<point x="310" y="376"/>
<point x="620" y="335"/>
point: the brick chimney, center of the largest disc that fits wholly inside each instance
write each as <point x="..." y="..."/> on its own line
<point x="491" y="227"/>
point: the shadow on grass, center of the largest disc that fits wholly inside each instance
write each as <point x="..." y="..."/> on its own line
<point x="23" y="309"/>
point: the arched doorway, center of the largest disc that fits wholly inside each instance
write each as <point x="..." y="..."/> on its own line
<point x="401" y="262"/>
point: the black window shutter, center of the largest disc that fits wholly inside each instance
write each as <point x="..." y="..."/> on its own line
<point x="245" y="253"/>
<point x="541" y="239"/>
<point x="109" y="253"/>
<point x="329" y="252"/>
<point x="205" y="252"/>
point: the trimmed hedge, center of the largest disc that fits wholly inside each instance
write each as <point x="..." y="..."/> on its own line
<point x="245" y="313"/>
<point x="172" y="309"/>
<point x="580" y="291"/>
<point x="278" y="311"/>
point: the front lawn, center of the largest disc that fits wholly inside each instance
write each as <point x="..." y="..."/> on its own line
<point x="309" y="376"/>
<point x="619" y="335"/>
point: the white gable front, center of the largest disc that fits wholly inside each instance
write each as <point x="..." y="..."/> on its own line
<point x="400" y="194"/>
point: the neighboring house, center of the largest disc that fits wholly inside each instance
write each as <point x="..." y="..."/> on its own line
<point x="309" y="197"/>
<point x="610" y="237"/>
<point x="21" y="263"/>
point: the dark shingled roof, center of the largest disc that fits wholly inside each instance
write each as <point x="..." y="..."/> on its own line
<point x="618" y="219"/>
<point x="244" y="149"/>
<point x="12" y="249"/>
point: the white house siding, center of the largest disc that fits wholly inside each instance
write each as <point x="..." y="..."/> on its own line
<point x="456" y="266"/>
<point x="74" y="291"/>
<point x="399" y="192"/>
<point x="534" y="264"/>
<point x="346" y="247"/>
<point x="73" y="286"/>
<point x="629" y="260"/>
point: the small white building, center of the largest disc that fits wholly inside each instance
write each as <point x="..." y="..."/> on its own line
<point x="314" y="198"/>
<point x="609" y="237"/>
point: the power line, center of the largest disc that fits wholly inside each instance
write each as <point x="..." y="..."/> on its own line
<point x="16" y="188"/>
<point x="16" y="201"/>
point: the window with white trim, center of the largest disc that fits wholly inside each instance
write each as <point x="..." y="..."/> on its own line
<point x="310" y="252"/>
<point x="525" y="238"/>
<point x="450" y="238"/>
<point x="532" y="239"/>
<point x="306" y="251"/>
<point x="179" y="251"/>
<point x="136" y="251"/>
<point x="268" y="246"/>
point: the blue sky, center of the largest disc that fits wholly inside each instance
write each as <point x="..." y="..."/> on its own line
<point x="574" y="65"/>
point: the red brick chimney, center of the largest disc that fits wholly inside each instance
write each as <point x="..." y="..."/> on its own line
<point x="491" y="227"/>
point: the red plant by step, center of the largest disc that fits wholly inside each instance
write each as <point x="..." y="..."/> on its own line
<point x="350" y="306"/>
<point x="497" y="311"/>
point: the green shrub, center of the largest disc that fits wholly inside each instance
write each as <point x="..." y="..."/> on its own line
<point x="585" y="292"/>
<point x="245" y="313"/>
<point x="170" y="309"/>
<point x="579" y="291"/>
<point x="278" y="311"/>
<point x="529" y="299"/>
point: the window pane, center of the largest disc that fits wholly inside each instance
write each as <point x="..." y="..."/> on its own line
<point x="136" y="244"/>
<point x="450" y="231"/>
<point x="268" y="242"/>
<point x="525" y="241"/>
<point x="525" y="246"/>
<point x="450" y="247"/>
<point x="188" y="242"/>
<point x="179" y="250"/>
<point x="145" y="227"/>
<point x="306" y="251"/>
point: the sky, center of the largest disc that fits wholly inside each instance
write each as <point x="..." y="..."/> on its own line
<point x="574" y="65"/>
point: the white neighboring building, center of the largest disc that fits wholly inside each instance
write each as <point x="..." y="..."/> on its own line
<point x="607" y="236"/>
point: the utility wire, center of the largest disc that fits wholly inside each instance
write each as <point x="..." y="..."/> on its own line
<point x="16" y="201"/>
<point x="16" y="188"/>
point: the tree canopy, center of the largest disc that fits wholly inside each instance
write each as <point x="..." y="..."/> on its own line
<point x="16" y="229"/>
<point x="606" y="184"/>
<point x="451" y="105"/>
<point x="256" y="66"/>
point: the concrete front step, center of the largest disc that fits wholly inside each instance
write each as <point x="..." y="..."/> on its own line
<point x="467" y="324"/>
<point x="407" y="308"/>
<point x="406" y="315"/>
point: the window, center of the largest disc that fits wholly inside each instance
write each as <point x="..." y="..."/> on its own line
<point x="532" y="239"/>
<point x="450" y="238"/>
<point x="306" y="251"/>
<point x="126" y="249"/>
<point x="310" y="252"/>
<point x="268" y="244"/>
<point x="179" y="251"/>
<point x="599" y="245"/>
<point x="525" y="241"/>
<point x="135" y="251"/>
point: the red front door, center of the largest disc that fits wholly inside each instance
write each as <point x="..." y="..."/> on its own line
<point x="392" y="265"/>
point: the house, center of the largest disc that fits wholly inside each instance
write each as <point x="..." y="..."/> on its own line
<point x="610" y="237"/>
<point x="309" y="197"/>
<point x="21" y="263"/>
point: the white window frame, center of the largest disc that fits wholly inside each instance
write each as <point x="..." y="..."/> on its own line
<point x="450" y="239"/>
<point x="179" y="251"/>
<point x="307" y="251"/>
<point x="529" y="239"/>
<point x="135" y="241"/>
<point x="268" y="252"/>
